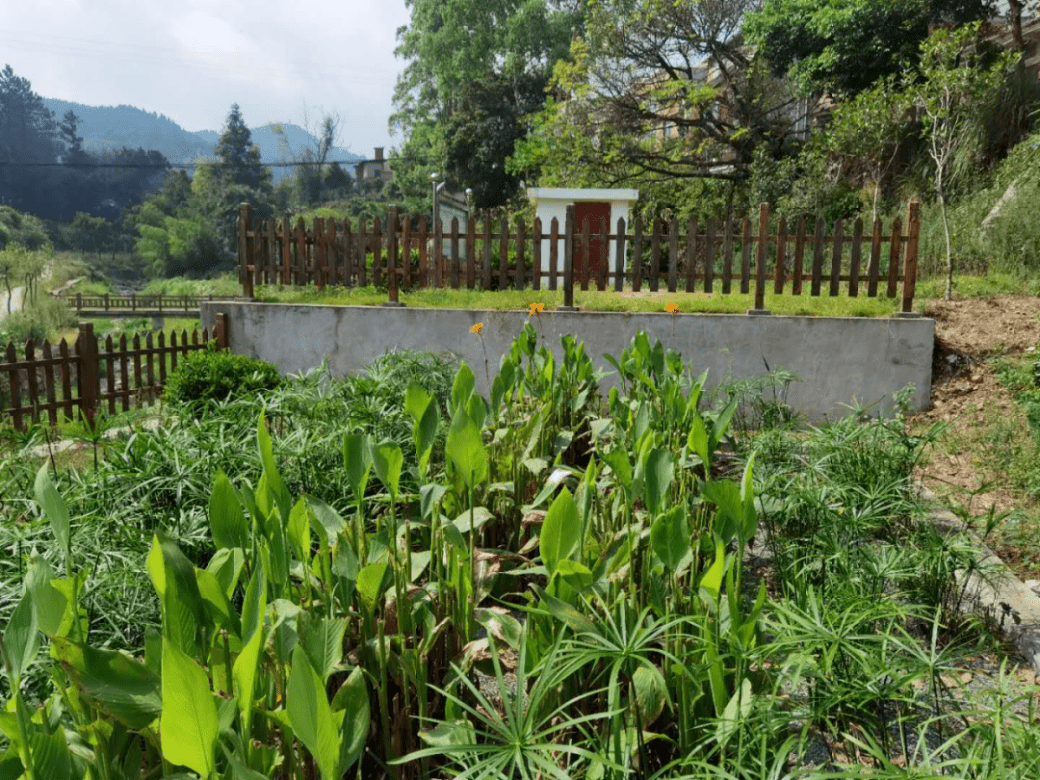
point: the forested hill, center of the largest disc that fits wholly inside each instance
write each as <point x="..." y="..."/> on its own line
<point x="106" y="128"/>
<point x="112" y="127"/>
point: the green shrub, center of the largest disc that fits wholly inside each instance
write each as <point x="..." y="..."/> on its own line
<point x="41" y="320"/>
<point x="212" y="375"/>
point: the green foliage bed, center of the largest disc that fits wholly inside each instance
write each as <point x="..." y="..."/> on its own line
<point x="394" y="575"/>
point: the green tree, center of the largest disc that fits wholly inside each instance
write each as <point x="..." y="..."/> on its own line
<point x="655" y="91"/>
<point x="844" y="46"/>
<point x="870" y="128"/>
<point x="89" y="233"/>
<point x="307" y="186"/>
<point x="239" y="156"/>
<point x="28" y="137"/>
<point x="480" y="135"/>
<point x="452" y="46"/>
<point x="952" y="95"/>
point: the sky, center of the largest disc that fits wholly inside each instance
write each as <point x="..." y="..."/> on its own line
<point x="191" y="59"/>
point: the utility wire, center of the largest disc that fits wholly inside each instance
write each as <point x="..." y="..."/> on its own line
<point x="204" y="162"/>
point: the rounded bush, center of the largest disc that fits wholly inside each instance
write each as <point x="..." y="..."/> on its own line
<point x="214" y="375"/>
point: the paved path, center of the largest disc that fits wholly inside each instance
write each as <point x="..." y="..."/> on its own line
<point x="17" y="299"/>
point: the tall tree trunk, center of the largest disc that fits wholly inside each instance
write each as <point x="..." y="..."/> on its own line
<point x="949" y="247"/>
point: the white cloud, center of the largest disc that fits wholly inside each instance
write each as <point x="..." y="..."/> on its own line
<point x="192" y="59"/>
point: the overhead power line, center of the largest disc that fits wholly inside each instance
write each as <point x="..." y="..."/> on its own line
<point x="204" y="162"/>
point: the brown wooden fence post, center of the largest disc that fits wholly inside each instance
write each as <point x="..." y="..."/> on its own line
<point x="220" y="331"/>
<point x="391" y="258"/>
<point x="245" y="278"/>
<point x="568" y="263"/>
<point x="87" y="372"/>
<point x="913" y="227"/>
<point x="760" y="261"/>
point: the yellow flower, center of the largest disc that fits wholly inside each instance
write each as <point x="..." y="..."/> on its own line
<point x="477" y="328"/>
<point x="536" y="308"/>
<point x="672" y="308"/>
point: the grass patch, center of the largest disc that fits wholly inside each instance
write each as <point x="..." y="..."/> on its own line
<point x="590" y="300"/>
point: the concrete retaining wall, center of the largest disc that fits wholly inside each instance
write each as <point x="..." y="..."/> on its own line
<point x="839" y="360"/>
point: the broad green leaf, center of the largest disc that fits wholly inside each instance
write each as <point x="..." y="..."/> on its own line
<point x="658" y="476"/>
<point x="416" y="401"/>
<point x="322" y="641"/>
<point x="156" y="567"/>
<point x="50" y="602"/>
<point x="697" y="441"/>
<point x="726" y="496"/>
<point x="462" y="388"/>
<point x="500" y="624"/>
<point x="554" y="480"/>
<point x="274" y="479"/>
<point x="480" y="516"/>
<point x="311" y="716"/>
<point x="575" y="574"/>
<point x="188" y="727"/>
<point x="567" y="614"/>
<point x="357" y="461"/>
<point x="464" y="449"/>
<point x="226" y="565"/>
<point x="453" y="733"/>
<point x="216" y="602"/>
<point x="426" y="416"/>
<point x="125" y="689"/>
<point x="722" y="421"/>
<point x="429" y="496"/>
<point x="244" y="671"/>
<point x="670" y="538"/>
<point x="351" y="704"/>
<point x="651" y="694"/>
<point x="227" y="521"/>
<point x="183" y="609"/>
<point x="711" y="582"/>
<point x="747" y="496"/>
<point x="298" y="531"/>
<point x="21" y="638"/>
<point x="372" y="582"/>
<point x="54" y="508"/>
<point x="737" y="710"/>
<point x="561" y="531"/>
<point x="476" y="408"/>
<point x="387" y="460"/>
<point x="619" y="463"/>
<point x="51" y="758"/>
<point x="327" y="517"/>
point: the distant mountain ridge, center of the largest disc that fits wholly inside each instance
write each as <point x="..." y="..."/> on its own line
<point x="112" y="127"/>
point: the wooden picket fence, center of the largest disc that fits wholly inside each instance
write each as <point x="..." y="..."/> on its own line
<point x="41" y="382"/>
<point x="726" y="256"/>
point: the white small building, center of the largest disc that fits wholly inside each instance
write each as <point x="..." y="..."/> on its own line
<point x="597" y="205"/>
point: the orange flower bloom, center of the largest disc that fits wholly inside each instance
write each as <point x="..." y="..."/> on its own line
<point x="672" y="308"/>
<point x="536" y="308"/>
<point x="477" y="328"/>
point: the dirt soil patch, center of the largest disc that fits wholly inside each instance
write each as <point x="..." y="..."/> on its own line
<point x="967" y="394"/>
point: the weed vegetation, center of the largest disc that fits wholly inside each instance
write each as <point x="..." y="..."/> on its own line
<point x="394" y="575"/>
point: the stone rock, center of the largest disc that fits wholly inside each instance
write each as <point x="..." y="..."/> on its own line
<point x="1034" y="585"/>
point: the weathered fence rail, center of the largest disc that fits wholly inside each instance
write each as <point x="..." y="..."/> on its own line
<point x="724" y="256"/>
<point x="146" y="304"/>
<point x="91" y="374"/>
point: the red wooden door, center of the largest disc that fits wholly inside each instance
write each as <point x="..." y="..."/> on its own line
<point x="596" y="212"/>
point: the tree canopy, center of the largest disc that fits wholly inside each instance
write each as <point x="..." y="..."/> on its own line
<point x="844" y="46"/>
<point x="472" y="68"/>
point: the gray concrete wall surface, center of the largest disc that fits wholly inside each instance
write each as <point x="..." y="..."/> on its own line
<point x="840" y="360"/>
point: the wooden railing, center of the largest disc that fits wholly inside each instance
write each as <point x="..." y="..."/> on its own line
<point x="724" y="256"/>
<point x="132" y="303"/>
<point x="47" y="379"/>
